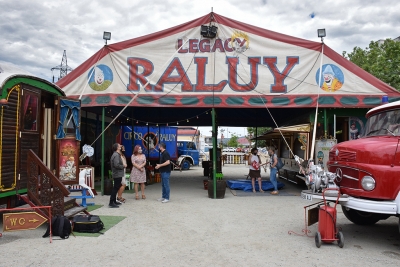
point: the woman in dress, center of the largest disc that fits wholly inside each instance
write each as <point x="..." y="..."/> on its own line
<point x="138" y="174"/>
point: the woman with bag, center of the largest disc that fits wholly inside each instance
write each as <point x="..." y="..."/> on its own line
<point x="138" y="174"/>
<point x="274" y="170"/>
<point x="254" y="162"/>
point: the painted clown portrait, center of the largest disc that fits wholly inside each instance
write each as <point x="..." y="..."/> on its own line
<point x="332" y="78"/>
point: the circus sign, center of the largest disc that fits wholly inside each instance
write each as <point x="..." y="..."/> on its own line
<point x="239" y="67"/>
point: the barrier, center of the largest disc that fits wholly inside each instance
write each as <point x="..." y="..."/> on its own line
<point x="234" y="158"/>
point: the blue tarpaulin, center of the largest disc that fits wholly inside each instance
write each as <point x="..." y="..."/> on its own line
<point x="245" y="185"/>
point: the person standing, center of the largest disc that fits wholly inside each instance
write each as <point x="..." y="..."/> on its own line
<point x="123" y="181"/>
<point x="274" y="169"/>
<point x="117" y="168"/>
<point x="138" y="173"/>
<point x="254" y="162"/>
<point x="165" y="172"/>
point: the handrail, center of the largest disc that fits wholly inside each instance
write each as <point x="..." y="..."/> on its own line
<point x="44" y="188"/>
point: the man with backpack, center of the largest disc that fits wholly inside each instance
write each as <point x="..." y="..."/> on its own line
<point x="274" y="169"/>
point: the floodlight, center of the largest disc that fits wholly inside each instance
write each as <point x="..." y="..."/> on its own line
<point x="107" y="36"/>
<point x="208" y="31"/>
<point x="321" y="34"/>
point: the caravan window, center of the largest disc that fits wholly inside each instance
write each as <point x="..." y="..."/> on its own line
<point x="30" y="112"/>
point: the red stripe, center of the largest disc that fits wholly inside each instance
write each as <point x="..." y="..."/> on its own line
<point x="356" y="70"/>
<point x="130" y="43"/>
<point x="237" y="25"/>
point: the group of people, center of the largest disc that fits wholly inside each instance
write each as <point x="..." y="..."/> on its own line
<point x="255" y="164"/>
<point x="138" y="173"/>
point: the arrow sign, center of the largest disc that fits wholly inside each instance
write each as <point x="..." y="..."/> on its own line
<point x="22" y="221"/>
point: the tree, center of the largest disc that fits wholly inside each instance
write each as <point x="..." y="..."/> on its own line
<point x="233" y="141"/>
<point x="380" y="59"/>
<point x="260" y="131"/>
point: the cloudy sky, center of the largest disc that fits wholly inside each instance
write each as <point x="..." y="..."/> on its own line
<point x="34" y="33"/>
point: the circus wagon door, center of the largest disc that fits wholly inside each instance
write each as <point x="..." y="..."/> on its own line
<point x="68" y="138"/>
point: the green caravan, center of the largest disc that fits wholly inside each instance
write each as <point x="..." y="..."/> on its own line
<point x="29" y="125"/>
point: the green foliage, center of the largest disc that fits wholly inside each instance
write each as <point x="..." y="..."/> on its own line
<point x="381" y="60"/>
<point x="260" y="131"/>
<point x="233" y="141"/>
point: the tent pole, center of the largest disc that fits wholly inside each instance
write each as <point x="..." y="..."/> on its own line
<point x="325" y="124"/>
<point x="214" y="141"/>
<point x="316" y="109"/>
<point x="102" y="151"/>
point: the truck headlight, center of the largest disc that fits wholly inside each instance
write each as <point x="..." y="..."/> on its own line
<point x="368" y="183"/>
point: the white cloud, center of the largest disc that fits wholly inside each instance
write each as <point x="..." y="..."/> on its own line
<point x="35" y="33"/>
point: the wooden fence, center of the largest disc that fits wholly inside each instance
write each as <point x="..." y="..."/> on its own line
<point x="234" y="158"/>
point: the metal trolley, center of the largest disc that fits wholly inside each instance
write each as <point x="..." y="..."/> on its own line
<point x="327" y="230"/>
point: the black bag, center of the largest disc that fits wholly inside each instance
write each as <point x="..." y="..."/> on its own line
<point x="60" y="226"/>
<point x="87" y="224"/>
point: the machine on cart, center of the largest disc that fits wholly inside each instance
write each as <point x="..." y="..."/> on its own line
<point x="327" y="230"/>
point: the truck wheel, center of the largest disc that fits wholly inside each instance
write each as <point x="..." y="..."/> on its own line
<point x="318" y="240"/>
<point x="361" y="217"/>
<point x="340" y="241"/>
<point x="185" y="165"/>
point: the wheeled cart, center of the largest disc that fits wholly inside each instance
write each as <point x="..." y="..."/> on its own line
<point x="327" y="230"/>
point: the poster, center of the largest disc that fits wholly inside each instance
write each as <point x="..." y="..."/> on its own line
<point x="322" y="148"/>
<point x="356" y="128"/>
<point x="68" y="159"/>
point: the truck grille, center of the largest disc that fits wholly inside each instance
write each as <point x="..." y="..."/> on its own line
<point x="349" y="176"/>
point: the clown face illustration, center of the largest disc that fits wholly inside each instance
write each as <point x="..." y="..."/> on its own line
<point x="98" y="76"/>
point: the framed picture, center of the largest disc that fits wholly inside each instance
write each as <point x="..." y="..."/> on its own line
<point x="68" y="160"/>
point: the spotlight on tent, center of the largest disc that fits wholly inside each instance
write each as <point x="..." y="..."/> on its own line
<point x="208" y="31"/>
<point x="107" y="36"/>
<point x="321" y="34"/>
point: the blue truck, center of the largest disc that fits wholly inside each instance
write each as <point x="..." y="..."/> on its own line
<point x="183" y="153"/>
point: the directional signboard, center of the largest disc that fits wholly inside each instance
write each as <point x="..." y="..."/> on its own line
<point x="22" y="221"/>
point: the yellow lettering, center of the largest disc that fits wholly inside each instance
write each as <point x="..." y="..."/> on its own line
<point x="21" y="221"/>
<point x="13" y="221"/>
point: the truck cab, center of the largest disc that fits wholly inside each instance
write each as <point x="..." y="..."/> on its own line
<point x="368" y="169"/>
<point x="187" y="154"/>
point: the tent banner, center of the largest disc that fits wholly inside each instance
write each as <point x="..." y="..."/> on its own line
<point x="240" y="67"/>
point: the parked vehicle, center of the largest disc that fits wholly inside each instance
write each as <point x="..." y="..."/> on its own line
<point x="184" y="153"/>
<point x="367" y="169"/>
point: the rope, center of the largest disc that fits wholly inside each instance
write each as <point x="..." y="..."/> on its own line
<point x="137" y="94"/>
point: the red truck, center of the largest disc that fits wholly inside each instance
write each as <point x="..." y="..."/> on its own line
<point x="368" y="169"/>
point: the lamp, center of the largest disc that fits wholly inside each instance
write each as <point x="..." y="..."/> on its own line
<point x="208" y="31"/>
<point x="107" y="36"/>
<point x="321" y="34"/>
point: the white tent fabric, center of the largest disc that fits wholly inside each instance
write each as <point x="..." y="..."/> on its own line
<point x="244" y="66"/>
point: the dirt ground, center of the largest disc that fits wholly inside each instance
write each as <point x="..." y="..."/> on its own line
<point x="246" y="230"/>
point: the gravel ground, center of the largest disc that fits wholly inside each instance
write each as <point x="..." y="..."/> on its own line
<point x="194" y="230"/>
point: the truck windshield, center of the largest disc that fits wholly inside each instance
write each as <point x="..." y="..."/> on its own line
<point x="384" y="123"/>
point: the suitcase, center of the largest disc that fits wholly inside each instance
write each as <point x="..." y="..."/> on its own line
<point x="87" y="224"/>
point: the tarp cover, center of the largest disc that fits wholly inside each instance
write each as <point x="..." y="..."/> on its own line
<point x="245" y="185"/>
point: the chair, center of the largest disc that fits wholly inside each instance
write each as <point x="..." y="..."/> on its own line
<point x="127" y="179"/>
